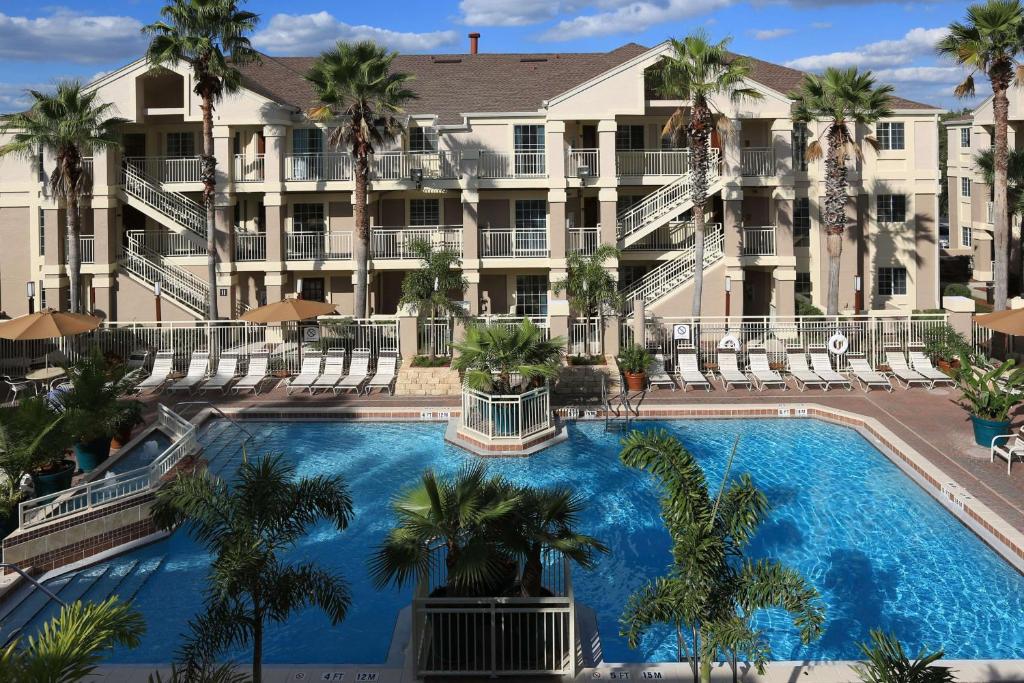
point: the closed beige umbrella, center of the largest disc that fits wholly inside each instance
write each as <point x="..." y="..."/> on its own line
<point x="47" y="324"/>
<point x="288" y="310"/>
<point x="1009" y="322"/>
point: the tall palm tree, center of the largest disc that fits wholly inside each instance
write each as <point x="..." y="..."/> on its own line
<point x="886" y="662"/>
<point x="210" y="37"/>
<point x="591" y="289"/>
<point x="711" y="589"/>
<point x="700" y="71"/>
<point x="246" y="526"/>
<point x="427" y="290"/>
<point x="991" y="41"/>
<point x="842" y="99"/>
<point x="492" y="355"/>
<point x="72" y="644"/>
<point x="71" y="123"/>
<point x="355" y="86"/>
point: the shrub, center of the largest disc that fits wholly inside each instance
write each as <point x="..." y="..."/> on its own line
<point x="807" y="308"/>
<point x="581" y="359"/>
<point x="428" y="362"/>
<point x="634" y="359"/>
<point x="957" y="289"/>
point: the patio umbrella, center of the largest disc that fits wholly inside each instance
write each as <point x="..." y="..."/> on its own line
<point x="288" y="310"/>
<point x="47" y="324"/>
<point x="1009" y="322"/>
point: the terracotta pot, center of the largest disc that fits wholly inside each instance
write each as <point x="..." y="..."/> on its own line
<point x="947" y="365"/>
<point x="121" y="437"/>
<point x="636" y="381"/>
<point x="281" y="374"/>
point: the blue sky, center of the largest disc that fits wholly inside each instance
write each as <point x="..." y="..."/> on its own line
<point x="42" y="43"/>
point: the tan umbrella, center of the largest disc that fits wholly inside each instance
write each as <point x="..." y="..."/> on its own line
<point x="1008" y="322"/>
<point x="47" y="324"/>
<point x="288" y="310"/>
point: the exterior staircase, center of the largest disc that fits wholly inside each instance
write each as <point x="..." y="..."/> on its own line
<point x="673" y="274"/>
<point x="181" y="286"/>
<point x="172" y="209"/>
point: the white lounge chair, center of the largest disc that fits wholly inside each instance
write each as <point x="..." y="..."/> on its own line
<point x="920" y="363"/>
<point x="257" y="373"/>
<point x="657" y="376"/>
<point x="822" y="365"/>
<point x="198" y="365"/>
<point x="868" y="377"/>
<point x="897" y="362"/>
<point x="803" y="376"/>
<point x="688" y="371"/>
<point x="761" y="371"/>
<point x="728" y="368"/>
<point x="227" y="371"/>
<point x="334" y="370"/>
<point x="309" y="372"/>
<point x="1007" y="447"/>
<point x="163" y="366"/>
<point x="384" y="377"/>
<point x="358" y="372"/>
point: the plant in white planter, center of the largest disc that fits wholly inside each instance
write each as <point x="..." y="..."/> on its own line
<point x="493" y="356"/>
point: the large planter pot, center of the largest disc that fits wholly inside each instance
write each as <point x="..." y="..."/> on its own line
<point x="121" y="437"/>
<point x="986" y="430"/>
<point x="636" y="381"/>
<point x="54" y="481"/>
<point x="91" y="453"/>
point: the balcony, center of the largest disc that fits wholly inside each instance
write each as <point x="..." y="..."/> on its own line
<point x="583" y="241"/>
<point x="496" y="165"/>
<point x="583" y="163"/>
<point x="318" y="246"/>
<point x="513" y="242"/>
<point x="758" y="162"/>
<point x="759" y="240"/>
<point x="250" y="246"/>
<point x="249" y="168"/>
<point x="317" y="167"/>
<point x="387" y="244"/>
<point x="671" y="162"/>
<point x="168" y="169"/>
<point x="86" y="248"/>
<point x="167" y="243"/>
<point x="397" y="165"/>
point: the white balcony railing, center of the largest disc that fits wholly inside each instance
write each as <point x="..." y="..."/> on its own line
<point x="671" y="237"/>
<point x="583" y="163"/>
<point x="759" y="240"/>
<point x="758" y="162"/>
<point x="249" y="168"/>
<point x="86" y="248"/>
<point x="250" y="246"/>
<point x="318" y="167"/>
<point x="167" y="243"/>
<point x="397" y="243"/>
<point x="318" y="246"/>
<point x="168" y="169"/>
<point x="652" y="162"/>
<point x="512" y="165"/>
<point x="583" y="240"/>
<point x="513" y="242"/>
<point x="398" y="165"/>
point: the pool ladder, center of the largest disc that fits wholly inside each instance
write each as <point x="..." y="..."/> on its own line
<point x="618" y="410"/>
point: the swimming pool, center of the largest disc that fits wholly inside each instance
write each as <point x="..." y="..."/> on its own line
<point x="880" y="550"/>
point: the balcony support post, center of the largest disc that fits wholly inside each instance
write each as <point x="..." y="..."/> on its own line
<point x="556" y="224"/>
<point x="606" y="147"/>
<point x="785" y="290"/>
<point x="782" y="147"/>
<point x="784" y="199"/>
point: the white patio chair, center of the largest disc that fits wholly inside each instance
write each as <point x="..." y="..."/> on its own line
<point x="657" y="376"/>
<point x="198" y="365"/>
<point x="309" y="372"/>
<point x="920" y="363"/>
<point x="334" y="370"/>
<point x="358" y="372"/>
<point x="227" y="371"/>
<point x="1007" y="447"/>
<point x="688" y="371"/>
<point x="728" y="368"/>
<point x="385" y="375"/>
<point x="867" y="376"/>
<point x="17" y="385"/>
<point x="803" y="375"/>
<point x="257" y="373"/>
<point x="138" y="359"/>
<point x="897" y="362"/>
<point x="163" y="366"/>
<point x="761" y="371"/>
<point x="822" y="364"/>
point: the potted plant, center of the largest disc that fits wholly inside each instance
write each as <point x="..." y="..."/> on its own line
<point x="278" y="369"/>
<point x="129" y="415"/>
<point x="990" y="392"/>
<point x="33" y="442"/>
<point x="944" y="345"/>
<point x="633" y="361"/>
<point x="92" y="407"/>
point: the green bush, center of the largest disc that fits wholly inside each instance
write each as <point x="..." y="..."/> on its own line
<point x="634" y="359"/>
<point x="428" y="362"/>
<point x="957" y="289"/>
<point x="807" y="308"/>
<point x="581" y="359"/>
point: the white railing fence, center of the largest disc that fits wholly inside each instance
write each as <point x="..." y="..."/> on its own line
<point x="318" y="246"/>
<point x="250" y="246"/>
<point x="583" y="163"/>
<point x="670" y="274"/>
<point x="313" y="167"/>
<point x="585" y="337"/>
<point x="397" y="243"/>
<point x="179" y="208"/>
<point x="434" y="334"/>
<point x="506" y="417"/>
<point x="674" y="236"/>
<point x="514" y="242"/>
<point x="652" y="162"/>
<point x="664" y="200"/>
<point x="168" y="169"/>
<point x="86" y="248"/>
<point x="583" y="240"/>
<point x="249" y="168"/>
<point x="497" y="165"/>
<point x="398" y="165"/>
<point x="758" y="161"/>
<point x="167" y="243"/>
<point x="182" y="285"/>
<point x="759" y="240"/>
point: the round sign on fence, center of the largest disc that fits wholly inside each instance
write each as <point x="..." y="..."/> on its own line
<point x="730" y="341"/>
<point x="838" y="343"/>
<point x="311" y="333"/>
<point x="681" y="332"/>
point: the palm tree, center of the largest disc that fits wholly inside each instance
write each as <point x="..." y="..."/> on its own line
<point x="711" y="589"/>
<point x="462" y="515"/>
<point x="591" y="288"/>
<point x="886" y="662"/>
<point x="208" y="36"/>
<point x="246" y="526"/>
<point x="427" y="290"/>
<point x="985" y="160"/>
<point x="73" y="124"/>
<point x="72" y="644"/>
<point x="492" y="355"/>
<point x="355" y="85"/>
<point x="990" y="41"/>
<point x="841" y="98"/>
<point x="700" y="71"/>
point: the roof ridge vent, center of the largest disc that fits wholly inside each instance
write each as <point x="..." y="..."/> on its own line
<point x="447" y="60"/>
<point x="533" y="59"/>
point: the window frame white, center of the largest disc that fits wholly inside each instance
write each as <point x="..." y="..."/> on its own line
<point x="965" y="138"/>
<point x="965" y="186"/>
<point x="889" y="283"/>
<point x="890" y="215"/>
<point x="887" y="137"/>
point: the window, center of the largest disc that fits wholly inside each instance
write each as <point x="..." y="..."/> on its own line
<point x="629" y="138"/>
<point x="308" y="218"/>
<point x="892" y="208"/>
<point x="307" y="141"/>
<point x="181" y="145"/>
<point x="313" y="288"/>
<point x="892" y="281"/>
<point x="40" y="171"/>
<point x="800" y="137"/>
<point x="42" y="296"/>
<point x="531" y="214"/>
<point x="802" y="222"/>
<point x="42" y="232"/>
<point x="965" y="187"/>
<point x="965" y="138"/>
<point x="890" y="135"/>
<point x="422" y="139"/>
<point x="966" y="236"/>
<point x="803" y="284"/>
<point x="528" y="142"/>
<point x="531" y="295"/>
<point x="424" y="212"/>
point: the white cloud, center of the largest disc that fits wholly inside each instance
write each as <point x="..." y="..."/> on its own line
<point x="921" y="74"/>
<point x="13" y="96"/>
<point x="69" y="36"/>
<point x="504" y="13"/>
<point x="304" y="34"/>
<point x="772" y="33"/>
<point x="629" y="17"/>
<point x="885" y="53"/>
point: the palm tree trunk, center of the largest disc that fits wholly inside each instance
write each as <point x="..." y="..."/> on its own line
<point x="532" y="573"/>
<point x="362" y="245"/>
<point x="74" y="255"/>
<point x="835" y="213"/>
<point x="257" y="647"/>
<point x="209" y="173"/>
<point x="700" y="137"/>
<point x="1000" y="228"/>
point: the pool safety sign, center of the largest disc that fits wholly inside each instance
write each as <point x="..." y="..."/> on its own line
<point x="311" y="334"/>
<point x="681" y="332"/>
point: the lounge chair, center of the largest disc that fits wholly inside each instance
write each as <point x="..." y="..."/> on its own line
<point x="308" y="374"/>
<point x="761" y="371"/>
<point x="822" y="365"/>
<point x="257" y="373"/>
<point x="688" y="371"/>
<point x="729" y="369"/>
<point x="1007" y="447"/>
<point x="138" y="359"/>
<point x="384" y="377"/>
<point x="358" y="372"/>
<point x="163" y="366"/>
<point x="868" y="377"/>
<point x="803" y="375"/>
<point x="227" y="371"/>
<point x="657" y="376"/>
<point x="334" y="370"/>
<point x="921" y="364"/>
<point x="897" y="362"/>
<point x="198" y="365"/>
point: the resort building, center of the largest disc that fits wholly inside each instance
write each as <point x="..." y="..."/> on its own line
<point x="516" y="160"/>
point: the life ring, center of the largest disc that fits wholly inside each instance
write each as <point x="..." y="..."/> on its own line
<point x="838" y="344"/>
<point x="730" y="341"/>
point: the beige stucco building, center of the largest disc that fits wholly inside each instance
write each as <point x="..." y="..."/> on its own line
<point x="525" y="158"/>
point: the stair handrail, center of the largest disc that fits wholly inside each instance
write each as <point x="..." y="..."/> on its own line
<point x="174" y="205"/>
<point x="671" y="274"/>
<point x="176" y="282"/>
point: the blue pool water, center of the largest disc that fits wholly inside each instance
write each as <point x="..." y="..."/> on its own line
<point x="882" y="553"/>
<point x="142" y="453"/>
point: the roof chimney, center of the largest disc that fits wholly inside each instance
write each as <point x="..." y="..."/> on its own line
<point x="474" y="43"/>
